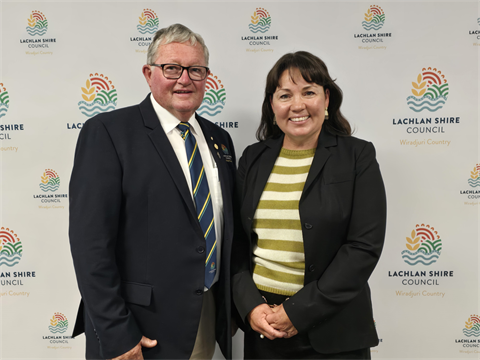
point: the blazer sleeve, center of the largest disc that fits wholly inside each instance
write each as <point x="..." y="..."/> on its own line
<point x="347" y="274"/>
<point x="95" y="204"/>
<point x="245" y="293"/>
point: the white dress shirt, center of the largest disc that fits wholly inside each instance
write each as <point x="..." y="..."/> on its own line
<point x="169" y="124"/>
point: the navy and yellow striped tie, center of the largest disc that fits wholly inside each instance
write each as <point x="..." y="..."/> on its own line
<point x="203" y="200"/>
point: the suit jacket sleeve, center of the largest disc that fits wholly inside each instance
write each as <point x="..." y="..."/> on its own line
<point x="245" y="293"/>
<point x="95" y="204"/>
<point x="347" y="274"/>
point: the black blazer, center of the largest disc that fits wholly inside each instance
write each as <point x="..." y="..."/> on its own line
<point x="343" y="216"/>
<point x="137" y="246"/>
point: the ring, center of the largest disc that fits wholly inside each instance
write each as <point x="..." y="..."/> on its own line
<point x="261" y="336"/>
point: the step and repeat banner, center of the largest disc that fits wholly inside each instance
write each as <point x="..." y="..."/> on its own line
<point x="410" y="76"/>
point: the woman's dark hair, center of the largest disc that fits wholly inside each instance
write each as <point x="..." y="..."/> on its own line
<point x="313" y="70"/>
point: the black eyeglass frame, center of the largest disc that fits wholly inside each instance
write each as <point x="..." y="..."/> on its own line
<point x="181" y="73"/>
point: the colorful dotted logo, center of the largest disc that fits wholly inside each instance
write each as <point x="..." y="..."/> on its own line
<point x="99" y="95"/>
<point x="472" y="326"/>
<point x="4" y="101"/>
<point x="474" y="180"/>
<point x="374" y="18"/>
<point x="148" y="22"/>
<point x="58" y="323"/>
<point x="214" y="99"/>
<point x="37" y="24"/>
<point x="11" y="249"/>
<point x="260" y="21"/>
<point x="430" y="91"/>
<point x="50" y="181"/>
<point x="424" y="246"/>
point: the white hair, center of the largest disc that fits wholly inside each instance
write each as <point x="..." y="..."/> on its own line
<point x="175" y="33"/>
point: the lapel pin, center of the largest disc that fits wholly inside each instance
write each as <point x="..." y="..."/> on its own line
<point x="211" y="137"/>
<point x="216" y="146"/>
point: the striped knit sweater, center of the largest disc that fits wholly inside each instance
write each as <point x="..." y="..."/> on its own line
<point x="278" y="256"/>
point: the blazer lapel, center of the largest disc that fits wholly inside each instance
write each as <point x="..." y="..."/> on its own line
<point x="210" y="138"/>
<point x="165" y="150"/>
<point x="325" y="140"/>
<point x="267" y="161"/>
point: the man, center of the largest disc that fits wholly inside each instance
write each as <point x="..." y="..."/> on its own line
<point x="154" y="281"/>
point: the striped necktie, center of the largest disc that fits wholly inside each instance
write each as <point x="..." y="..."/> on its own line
<point x="203" y="200"/>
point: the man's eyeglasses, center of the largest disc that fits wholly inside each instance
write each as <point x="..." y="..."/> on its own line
<point x="175" y="71"/>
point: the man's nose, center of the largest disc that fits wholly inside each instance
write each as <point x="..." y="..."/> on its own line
<point x="184" y="79"/>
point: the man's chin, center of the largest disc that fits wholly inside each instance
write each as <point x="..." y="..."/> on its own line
<point x="184" y="113"/>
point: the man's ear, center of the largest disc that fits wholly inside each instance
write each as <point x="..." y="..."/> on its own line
<point x="147" y="72"/>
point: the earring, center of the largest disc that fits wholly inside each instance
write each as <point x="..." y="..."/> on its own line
<point x="274" y="120"/>
<point x="326" y="114"/>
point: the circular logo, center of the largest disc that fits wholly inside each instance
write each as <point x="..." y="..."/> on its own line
<point x="430" y="91"/>
<point x="424" y="245"/>
<point x="374" y="18"/>
<point x="37" y="24"/>
<point x="99" y="95"/>
<point x="50" y="181"/>
<point x="474" y="180"/>
<point x="4" y="101"/>
<point x="11" y="249"/>
<point x="215" y="96"/>
<point x="58" y="323"/>
<point x="472" y="326"/>
<point x="148" y="22"/>
<point x="260" y="21"/>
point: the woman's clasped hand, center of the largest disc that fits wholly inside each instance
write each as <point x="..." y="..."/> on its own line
<point x="271" y="322"/>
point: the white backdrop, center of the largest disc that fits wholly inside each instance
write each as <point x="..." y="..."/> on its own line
<point x="426" y="303"/>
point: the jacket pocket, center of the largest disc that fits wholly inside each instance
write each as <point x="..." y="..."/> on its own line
<point x="339" y="178"/>
<point x="136" y="293"/>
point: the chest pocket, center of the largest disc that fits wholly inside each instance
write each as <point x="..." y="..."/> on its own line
<point x="338" y="178"/>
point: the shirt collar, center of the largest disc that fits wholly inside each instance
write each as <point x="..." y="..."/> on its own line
<point x="168" y="121"/>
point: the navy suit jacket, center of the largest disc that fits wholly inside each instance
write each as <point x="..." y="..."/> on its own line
<point x="343" y="216"/>
<point x="137" y="246"/>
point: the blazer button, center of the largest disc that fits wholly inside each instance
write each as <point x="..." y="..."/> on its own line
<point x="200" y="249"/>
<point x="308" y="226"/>
<point x="311" y="268"/>
<point x="198" y="292"/>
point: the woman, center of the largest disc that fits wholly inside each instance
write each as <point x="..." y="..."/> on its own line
<point x="313" y="214"/>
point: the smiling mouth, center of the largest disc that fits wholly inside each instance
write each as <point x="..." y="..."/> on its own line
<point x="182" y="92"/>
<point x="298" y="119"/>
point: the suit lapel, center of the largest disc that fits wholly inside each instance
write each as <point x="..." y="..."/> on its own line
<point x="267" y="161"/>
<point x="213" y="138"/>
<point x="165" y="150"/>
<point x="325" y="140"/>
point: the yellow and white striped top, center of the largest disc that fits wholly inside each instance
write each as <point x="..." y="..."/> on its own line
<point x="278" y="256"/>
